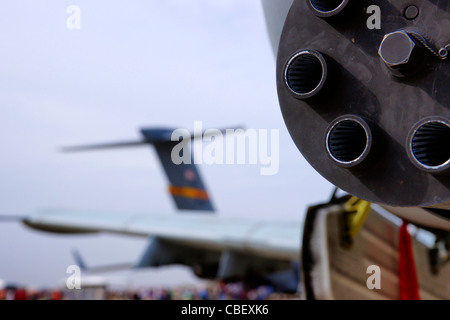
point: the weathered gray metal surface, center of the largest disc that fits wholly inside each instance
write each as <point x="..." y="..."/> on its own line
<point x="358" y="83"/>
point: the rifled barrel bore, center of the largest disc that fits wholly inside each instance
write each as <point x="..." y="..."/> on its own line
<point x="327" y="8"/>
<point x="305" y="73"/>
<point x="348" y="141"/>
<point x="429" y="145"/>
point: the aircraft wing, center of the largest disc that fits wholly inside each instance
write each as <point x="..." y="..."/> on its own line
<point x="214" y="246"/>
<point x="263" y="238"/>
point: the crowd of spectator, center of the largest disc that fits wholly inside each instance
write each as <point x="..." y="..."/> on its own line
<point x="30" y="293"/>
<point x="212" y="291"/>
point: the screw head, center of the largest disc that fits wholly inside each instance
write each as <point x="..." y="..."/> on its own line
<point x="400" y="53"/>
<point x="411" y="12"/>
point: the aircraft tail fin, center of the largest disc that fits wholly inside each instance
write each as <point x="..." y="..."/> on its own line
<point x="78" y="259"/>
<point x="186" y="186"/>
<point x="99" y="269"/>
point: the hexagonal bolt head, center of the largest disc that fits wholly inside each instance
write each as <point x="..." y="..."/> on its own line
<point x="400" y="52"/>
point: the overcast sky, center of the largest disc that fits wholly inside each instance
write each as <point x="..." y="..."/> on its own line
<point x="132" y="64"/>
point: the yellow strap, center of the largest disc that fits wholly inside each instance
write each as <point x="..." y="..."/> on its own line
<point x="358" y="210"/>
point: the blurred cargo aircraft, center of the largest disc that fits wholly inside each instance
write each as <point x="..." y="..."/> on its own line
<point x="215" y="247"/>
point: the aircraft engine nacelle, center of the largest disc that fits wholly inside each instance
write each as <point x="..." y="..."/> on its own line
<point x="364" y="92"/>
